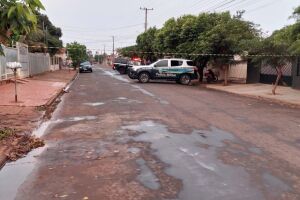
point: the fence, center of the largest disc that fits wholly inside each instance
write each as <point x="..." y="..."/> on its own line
<point x="54" y="64"/>
<point x="38" y="63"/>
<point x="32" y="63"/>
<point x="11" y="55"/>
<point x="268" y="74"/>
<point x="237" y="72"/>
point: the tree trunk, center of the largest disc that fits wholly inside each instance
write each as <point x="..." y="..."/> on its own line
<point x="226" y="75"/>
<point x="279" y="75"/>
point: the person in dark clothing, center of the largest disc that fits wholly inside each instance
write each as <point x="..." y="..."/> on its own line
<point x="200" y="68"/>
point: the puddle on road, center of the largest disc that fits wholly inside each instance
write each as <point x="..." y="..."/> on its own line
<point x="138" y="88"/>
<point x="115" y="75"/>
<point x="134" y="150"/>
<point x="42" y="129"/>
<point x="80" y="118"/>
<point x="274" y="184"/>
<point x="13" y="174"/>
<point x="255" y="150"/>
<point x="95" y="104"/>
<point x="126" y="100"/>
<point x="202" y="173"/>
<point x="146" y="176"/>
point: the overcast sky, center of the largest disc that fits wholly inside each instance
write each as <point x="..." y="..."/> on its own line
<point x="94" y="22"/>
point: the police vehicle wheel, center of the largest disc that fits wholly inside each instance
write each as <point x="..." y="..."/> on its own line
<point x="130" y="75"/>
<point x="185" y="79"/>
<point x="144" y="77"/>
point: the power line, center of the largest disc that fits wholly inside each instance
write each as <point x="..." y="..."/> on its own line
<point x="223" y="3"/>
<point x="210" y="3"/>
<point x="235" y="4"/>
<point x="262" y="6"/>
<point x="82" y="29"/>
<point x="243" y="4"/>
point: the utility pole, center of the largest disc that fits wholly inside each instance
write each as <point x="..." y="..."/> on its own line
<point x="113" y="37"/>
<point x="113" y="54"/>
<point x="146" y="16"/>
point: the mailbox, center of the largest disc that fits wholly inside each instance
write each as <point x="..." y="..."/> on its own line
<point x="14" y="66"/>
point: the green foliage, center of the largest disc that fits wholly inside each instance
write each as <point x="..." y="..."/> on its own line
<point x="207" y="33"/>
<point x="42" y="39"/>
<point x="77" y="52"/>
<point x="285" y="41"/>
<point x="17" y="17"/>
<point x="99" y="58"/>
<point x="130" y="51"/>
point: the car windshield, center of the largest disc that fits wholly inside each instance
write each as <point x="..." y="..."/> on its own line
<point x="85" y="63"/>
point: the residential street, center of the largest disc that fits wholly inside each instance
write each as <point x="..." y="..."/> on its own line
<point x="112" y="138"/>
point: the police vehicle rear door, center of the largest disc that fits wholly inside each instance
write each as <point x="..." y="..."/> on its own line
<point x="176" y="67"/>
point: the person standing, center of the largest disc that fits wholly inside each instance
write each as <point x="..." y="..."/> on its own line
<point x="200" y="68"/>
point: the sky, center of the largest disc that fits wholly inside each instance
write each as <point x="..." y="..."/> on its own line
<point x="94" y="22"/>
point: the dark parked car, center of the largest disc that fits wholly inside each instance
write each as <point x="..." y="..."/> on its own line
<point x="85" y="67"/>
<point x="122" y="65"/>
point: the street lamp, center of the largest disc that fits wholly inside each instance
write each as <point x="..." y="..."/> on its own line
<point x="14" y="66"/>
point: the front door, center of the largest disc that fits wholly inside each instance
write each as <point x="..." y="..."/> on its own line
<point x="161" y="69"/>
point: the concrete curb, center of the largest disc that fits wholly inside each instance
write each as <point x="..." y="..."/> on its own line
<point x="61" y="91"/>
<point x="3" y="158"/>
<point x="258" y="97"/>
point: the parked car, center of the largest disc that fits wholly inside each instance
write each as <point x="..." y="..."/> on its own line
<point x="85" y="67"/>
<point x="180" y="70"/>
<point x="122" y="65"/>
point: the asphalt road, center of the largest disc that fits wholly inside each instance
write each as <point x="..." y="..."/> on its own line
<point x="112" y="138"/>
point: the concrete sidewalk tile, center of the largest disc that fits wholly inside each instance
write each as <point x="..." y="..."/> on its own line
<point x="285" y="95"/>
<point x="36" y="91"/>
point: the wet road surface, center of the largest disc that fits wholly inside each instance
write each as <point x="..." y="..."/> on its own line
<point x="113" y="138"/>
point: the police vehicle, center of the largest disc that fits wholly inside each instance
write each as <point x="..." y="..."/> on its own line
<point x="121" y="65"/>
<point x="179" y="70"/>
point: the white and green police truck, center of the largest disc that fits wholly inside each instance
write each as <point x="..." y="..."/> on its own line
<point x="180" y="70"/>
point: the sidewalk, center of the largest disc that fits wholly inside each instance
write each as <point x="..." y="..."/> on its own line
<point x="36" y="91"/>
<point x="285" y="95"/>
<point x="23" y="117"/>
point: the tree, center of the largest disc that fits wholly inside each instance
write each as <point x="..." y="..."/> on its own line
<point x="280" y="58"/>
<point x="45" y="35"/>
<point x="77" y="52"/>
<point x="281" y="46"/>
<point x="199" y="37"/>
<point x="227" y="37"/>
<point x="130" y="51"/>
<point x="17" y="17"/>
<point x="99" y="58"/>
<point x="145" y="44"/>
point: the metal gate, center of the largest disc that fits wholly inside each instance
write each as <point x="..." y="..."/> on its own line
<point x="10" y="55"/>
<point x="23" y="58"/>
<point x="268" y="74"/>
